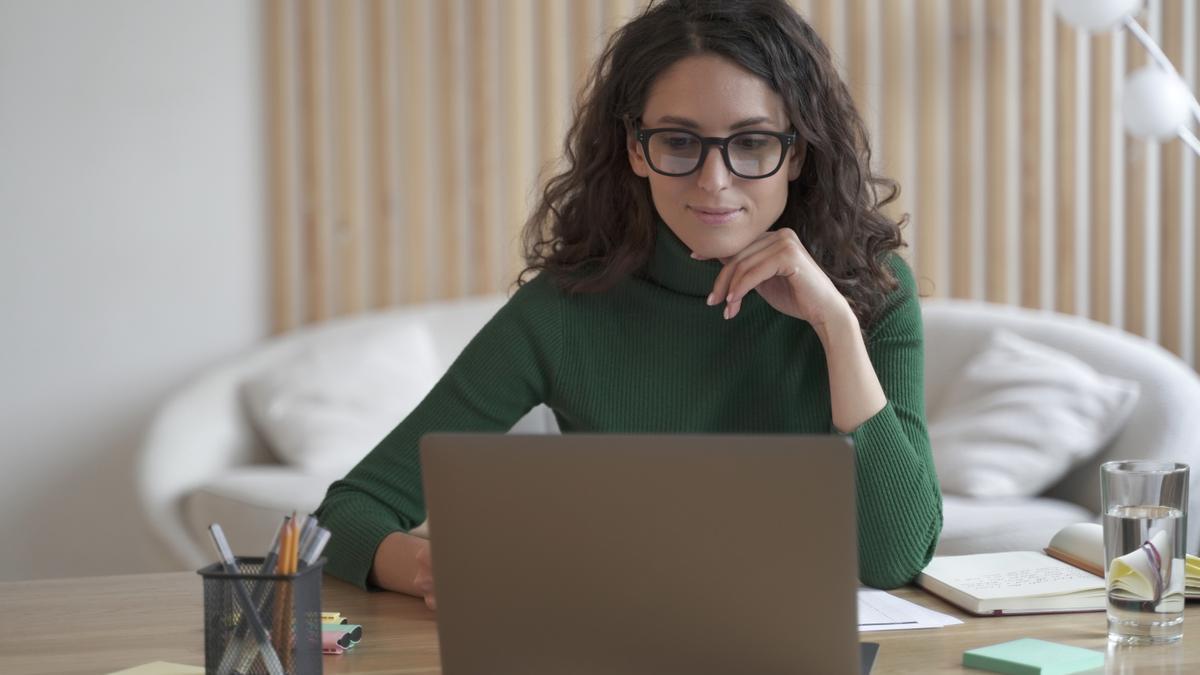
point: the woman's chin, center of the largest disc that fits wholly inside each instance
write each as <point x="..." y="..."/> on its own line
<point x="714" y="250"/>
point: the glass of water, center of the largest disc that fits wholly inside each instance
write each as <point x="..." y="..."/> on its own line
<point x="1145" y="529"/>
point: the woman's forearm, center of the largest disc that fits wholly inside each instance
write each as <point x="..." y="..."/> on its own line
<point x="855" y="394"/>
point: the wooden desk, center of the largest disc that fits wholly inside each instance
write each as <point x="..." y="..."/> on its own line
<point x="102" y="624"/>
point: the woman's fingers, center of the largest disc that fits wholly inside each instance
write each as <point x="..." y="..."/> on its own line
<point x="745" y="274"/>
<point x="424" y="578"/>
<point x="721" y="285"/>
<point x="753" y="273"/>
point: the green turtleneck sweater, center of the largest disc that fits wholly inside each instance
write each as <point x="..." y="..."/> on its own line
<point x="649" y="356"/>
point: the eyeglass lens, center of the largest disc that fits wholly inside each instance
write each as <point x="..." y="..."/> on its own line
<point x="750" y="154"/>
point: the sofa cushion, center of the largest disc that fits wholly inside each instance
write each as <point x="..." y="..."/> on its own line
<point x="972" y="525"/>
<point x="323" y="408"/>
<point x="1020" y="415"/>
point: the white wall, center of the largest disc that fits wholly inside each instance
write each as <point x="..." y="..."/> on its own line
<point x="132" y="253"/>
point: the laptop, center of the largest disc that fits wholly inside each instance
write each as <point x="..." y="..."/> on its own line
<point x="636" y="554"/>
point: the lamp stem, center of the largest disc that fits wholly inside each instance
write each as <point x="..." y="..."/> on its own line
<point x="1190" y="139"/>
<point x="1159" y="57"/>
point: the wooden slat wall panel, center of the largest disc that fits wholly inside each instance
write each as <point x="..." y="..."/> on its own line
<point x="350" y="192"/>
<point x="1081" y="163"/>
<point x="279" y="56"/>
<point x="997" y="35"/>
<point x="979" y="168"/>
<point x="450" y="146"/>
<point x="1191" y="185"/>
<point x="820" y="15"/>
<point x="863" y="60"/>
<point x="519" y="137"/>
<point x="554" y="96"/>
<point x="313" y="58"/>
<point x="897" y="130"/>
<point x="1065" y="202"/>
<point x="1135" y="214"/>
<point x="417" y="155"/>
<point x="1013" y="93"/>
<point x="1002" y="125"/>
<point x="587" y="30"/>
<point x="933" y="201"/>
<point x="1170" y="191"/>
<point x="1049" y="255"/>
<point x="1117" y="145"/>
<point x="964" y="149"/>
<point x="483" y="155"/>
<point x="1031" y="153"/>
<point x="1101" y="107"/>
<point x="384" y="198"/>
<point x="1152" y="252"/>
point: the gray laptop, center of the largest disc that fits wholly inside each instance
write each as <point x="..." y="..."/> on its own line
<point x="637" y="554"/>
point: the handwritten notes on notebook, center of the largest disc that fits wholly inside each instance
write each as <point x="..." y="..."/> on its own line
<point x="998" y="575"/>
<point x="1019" y="582"/>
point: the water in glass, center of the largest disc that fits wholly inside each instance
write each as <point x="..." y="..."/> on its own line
<point x="1144" y="557"/>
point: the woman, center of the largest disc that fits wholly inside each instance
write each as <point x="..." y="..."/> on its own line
<point x="713" y="259"/>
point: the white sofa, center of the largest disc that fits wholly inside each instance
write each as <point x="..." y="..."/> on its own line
<point x="203" y="461"/>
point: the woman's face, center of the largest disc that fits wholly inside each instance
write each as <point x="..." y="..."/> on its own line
<point x="712" y="211"/>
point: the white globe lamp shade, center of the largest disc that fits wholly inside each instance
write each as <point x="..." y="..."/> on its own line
<point x="1096" y="15"/>
<point x="1155" y="103"/>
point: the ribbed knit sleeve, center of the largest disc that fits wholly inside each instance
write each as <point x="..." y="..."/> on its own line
<point x="507" y="369"/>
<point x="899" y="502"/>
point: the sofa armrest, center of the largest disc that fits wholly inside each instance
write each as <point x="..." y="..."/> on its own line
<point x="199" y="433"/>
<point x="1165" y="426"/>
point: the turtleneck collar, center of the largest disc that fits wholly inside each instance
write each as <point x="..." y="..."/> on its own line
<point x="672" y="267"/>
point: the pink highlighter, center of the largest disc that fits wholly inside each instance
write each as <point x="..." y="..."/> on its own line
<point x="334" y="642"/>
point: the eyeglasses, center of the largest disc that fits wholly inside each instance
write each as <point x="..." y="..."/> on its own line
<point x="747" y="154"/>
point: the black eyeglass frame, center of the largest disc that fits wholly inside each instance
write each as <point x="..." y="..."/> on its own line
<point x="786" y="138"/>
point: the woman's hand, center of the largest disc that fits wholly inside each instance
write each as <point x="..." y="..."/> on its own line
<point x="778" y="266"/>
<point x="404" y="562"/>
<point x="782" y="271"/>
<point x="423" y="581"/>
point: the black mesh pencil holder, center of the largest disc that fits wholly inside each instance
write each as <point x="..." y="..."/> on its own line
<point x="282" y="637"/>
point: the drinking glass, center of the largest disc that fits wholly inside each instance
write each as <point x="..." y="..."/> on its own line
<point x="1145" y="529"/>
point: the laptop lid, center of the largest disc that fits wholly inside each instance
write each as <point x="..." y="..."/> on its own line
<point x="640" y="554"/>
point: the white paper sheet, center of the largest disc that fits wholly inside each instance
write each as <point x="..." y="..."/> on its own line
<point x="161" y="668"/>
<point x="880" y="610"/>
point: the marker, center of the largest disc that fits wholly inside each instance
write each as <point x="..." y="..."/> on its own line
<point x="355" y="631"/>
<point x="335" y="643"/>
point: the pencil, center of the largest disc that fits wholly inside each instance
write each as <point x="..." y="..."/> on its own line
<point x="278" y="608"/>
<point x="289" y="627"/>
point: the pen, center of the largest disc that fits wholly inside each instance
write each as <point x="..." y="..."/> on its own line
<point x="314" y="548"/>
<point x="307" y="532"/>
<point x="270" y="658"/>
<point x="235" y="651"/>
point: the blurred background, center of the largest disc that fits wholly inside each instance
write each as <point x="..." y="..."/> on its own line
<point x="180" y="181"/>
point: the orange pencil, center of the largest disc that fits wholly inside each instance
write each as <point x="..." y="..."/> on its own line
<point x="288" y="624"/>
<point x="277" y="624"/>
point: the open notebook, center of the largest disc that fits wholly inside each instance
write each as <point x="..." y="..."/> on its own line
<point x="1068" y="577"/>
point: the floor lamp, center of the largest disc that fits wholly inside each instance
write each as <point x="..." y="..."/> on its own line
<point x="1156" y="102"/>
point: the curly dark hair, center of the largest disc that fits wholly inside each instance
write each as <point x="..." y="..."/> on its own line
<point x="595" y="222"/>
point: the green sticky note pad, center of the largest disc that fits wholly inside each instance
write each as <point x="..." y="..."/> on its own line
<point x="1033" y="657"/>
